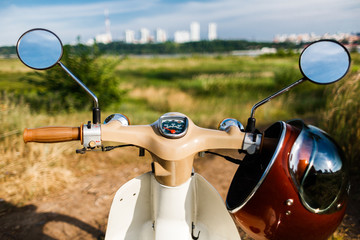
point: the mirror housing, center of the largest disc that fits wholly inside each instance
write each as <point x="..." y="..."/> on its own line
<point x="324" y="62"/>
<point x="41" y="49"/>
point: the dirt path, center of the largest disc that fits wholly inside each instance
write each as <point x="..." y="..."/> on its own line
<point x="80" y="211"/>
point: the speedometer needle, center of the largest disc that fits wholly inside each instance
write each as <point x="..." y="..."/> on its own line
<point x="172" y="131"/>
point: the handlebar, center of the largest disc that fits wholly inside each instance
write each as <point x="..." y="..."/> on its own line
<point x="173" y="158"/>
<point x="52" y="134"/>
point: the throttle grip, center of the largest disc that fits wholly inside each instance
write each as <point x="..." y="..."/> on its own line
<point x="52" y="134"/>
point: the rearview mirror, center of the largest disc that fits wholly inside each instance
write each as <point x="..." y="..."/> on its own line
<point x="39" y="49"/>
<point x="324" y="62"/>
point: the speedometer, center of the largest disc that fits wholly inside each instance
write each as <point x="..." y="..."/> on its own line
<point x="172" y="125"/>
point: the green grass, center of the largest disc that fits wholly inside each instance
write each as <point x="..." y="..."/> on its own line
<point x="218" y="86"/>
<point x="215" y="87"/>
<point x="11" y="72"/>
<point x="211" y="87"/>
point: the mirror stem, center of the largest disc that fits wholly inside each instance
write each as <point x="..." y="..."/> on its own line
<point x="250" y="127"/>
<point x="275" y="95"/>
<point x="93" y="96"/>
<point x="96" y="109"/>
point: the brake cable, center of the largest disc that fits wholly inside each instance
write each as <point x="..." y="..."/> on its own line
<point x="109" y="148"/>
<point x="230" y="159"/>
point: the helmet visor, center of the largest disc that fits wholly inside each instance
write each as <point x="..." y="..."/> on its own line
<point x="317" y="167"/>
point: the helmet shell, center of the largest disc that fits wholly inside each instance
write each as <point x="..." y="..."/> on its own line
<point x="277" y="193"/>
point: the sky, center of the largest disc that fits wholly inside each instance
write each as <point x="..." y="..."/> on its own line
<point x="258" y="20"/>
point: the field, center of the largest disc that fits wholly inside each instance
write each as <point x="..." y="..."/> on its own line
<point x="205" y="88"/>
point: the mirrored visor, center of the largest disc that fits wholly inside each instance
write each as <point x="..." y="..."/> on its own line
<point x="316" y="165"/>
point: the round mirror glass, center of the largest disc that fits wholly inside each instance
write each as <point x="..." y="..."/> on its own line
<point x="324" y="62"/>
<point x="39" y="49"/>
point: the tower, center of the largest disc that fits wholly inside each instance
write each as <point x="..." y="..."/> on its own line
<point x="160" y="35"/>
<point x="129" y="36"/>
<point x="212" y="35"/>
<point x="195" y="31"/>
<point x="106" y="37"/>
<point x="144" y="35"/>
<point x="107" y="25"/>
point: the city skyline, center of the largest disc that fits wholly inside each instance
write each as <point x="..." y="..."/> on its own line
<point x="311" y="37"/>
<point x="160" y="35"/>
<point x="258" y="20"/>
<point x="183" y="36"/>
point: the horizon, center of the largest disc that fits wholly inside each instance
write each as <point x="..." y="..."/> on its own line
<point x="274" y="40"/>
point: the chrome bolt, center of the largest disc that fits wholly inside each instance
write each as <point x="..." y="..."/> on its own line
<point x="289" y="202"/>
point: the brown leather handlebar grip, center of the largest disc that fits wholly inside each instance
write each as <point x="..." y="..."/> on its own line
<point x="51" y="134"/>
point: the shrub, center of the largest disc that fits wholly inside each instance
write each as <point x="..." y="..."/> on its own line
<point x="55" y="90"/>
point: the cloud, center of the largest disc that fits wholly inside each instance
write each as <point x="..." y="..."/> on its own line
<point x="66" y="20"/>
<point x="260" y="19"/>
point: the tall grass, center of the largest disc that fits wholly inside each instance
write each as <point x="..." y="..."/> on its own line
<point x="33" y="170"/>
<point x="25" y="170"/>
<point x="342" y="117"/>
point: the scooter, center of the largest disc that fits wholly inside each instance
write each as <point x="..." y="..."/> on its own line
<point x="291" y="184"/>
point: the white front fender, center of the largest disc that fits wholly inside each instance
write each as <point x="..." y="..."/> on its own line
<point x="144" y="209"/>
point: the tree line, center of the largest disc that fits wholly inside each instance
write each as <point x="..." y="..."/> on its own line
<point x="217" y="46"/>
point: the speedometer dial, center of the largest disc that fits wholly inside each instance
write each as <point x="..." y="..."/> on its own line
<point x="173" y="126"/>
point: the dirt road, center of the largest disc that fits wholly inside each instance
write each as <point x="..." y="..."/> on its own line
<point x="80" y="211"/>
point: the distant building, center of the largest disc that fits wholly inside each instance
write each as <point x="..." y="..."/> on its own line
<point x="106" y="37"/>
<point x="182" y="36"/>
<point x="212" y="35"/>
<point x="311" y="37"/>
<point x="103" y="38"/>
<point x="160" y="35"/>
<point x="195" y="31"/>
<point x="130" y="36"/>
<point x="145" y="35"/>
<point x="179" y="36"/>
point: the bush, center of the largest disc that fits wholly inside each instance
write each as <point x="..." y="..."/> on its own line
<point x="55" y="90"/>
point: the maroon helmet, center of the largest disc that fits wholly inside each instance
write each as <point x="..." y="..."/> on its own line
<point x="296" y="187"/>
